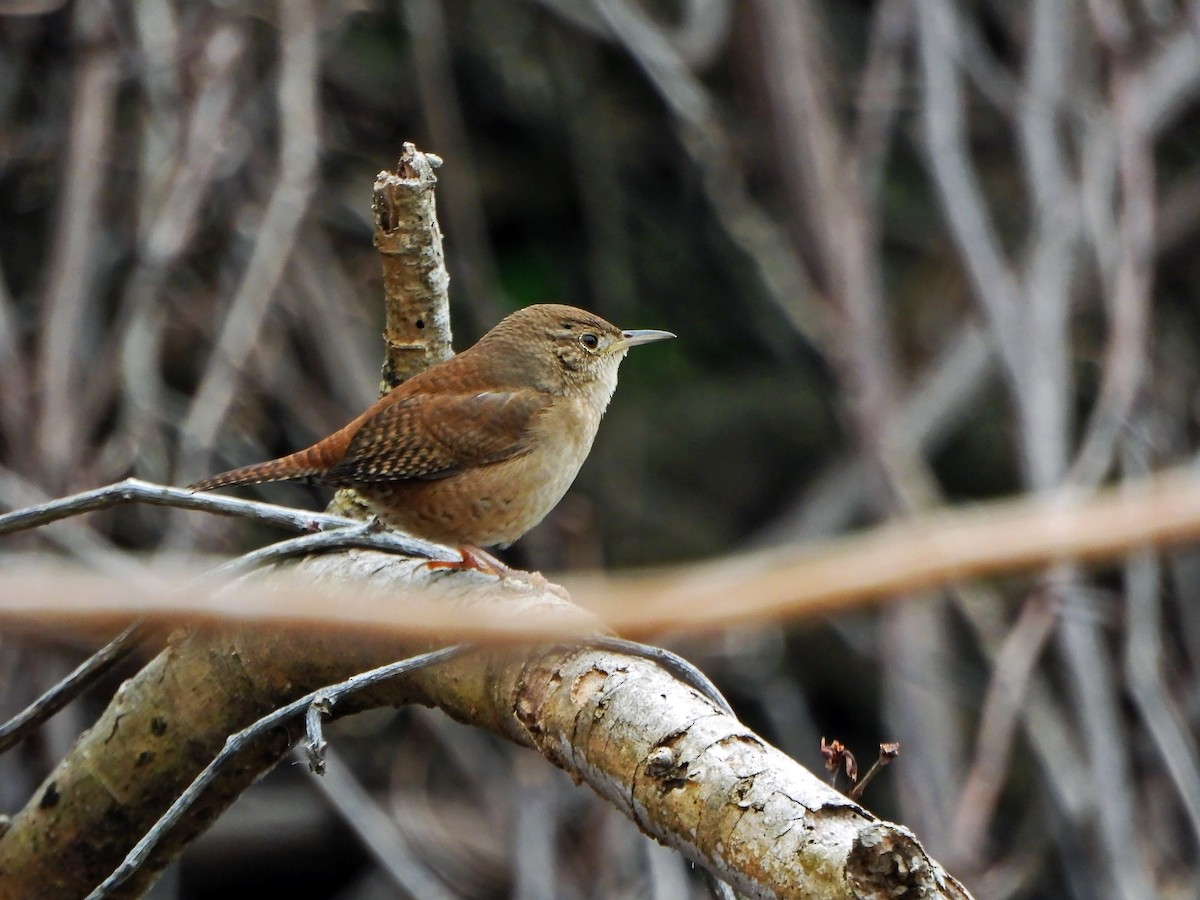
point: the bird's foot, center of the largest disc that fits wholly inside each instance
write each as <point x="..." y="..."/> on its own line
<point x="474" y="558"/>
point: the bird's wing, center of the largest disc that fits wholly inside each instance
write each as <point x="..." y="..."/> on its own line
<point x="433" y="436"/>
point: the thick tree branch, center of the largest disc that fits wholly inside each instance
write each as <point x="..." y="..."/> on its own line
<point x="684" y="771"/>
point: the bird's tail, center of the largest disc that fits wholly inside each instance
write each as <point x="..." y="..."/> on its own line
<point x="302" y="464"/>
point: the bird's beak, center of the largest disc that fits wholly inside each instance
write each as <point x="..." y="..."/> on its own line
<point x="640" y="336"/>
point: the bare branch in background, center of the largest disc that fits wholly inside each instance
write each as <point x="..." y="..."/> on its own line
<point x="14" y="414"/>
<point x="1144" y="670"/>
<point x="957" y="182"/>
<point x="62" y="370"/>
<point x="274" y="240"/>
<point x="703" y="136"/>
<point x="169" y="221"/>
<point x="379" y="831"/>
<point x="461" y="199"/>
<point x="1127" y="270"/>
<point x="825" y="178"/>
<point x="1007" y="693"/>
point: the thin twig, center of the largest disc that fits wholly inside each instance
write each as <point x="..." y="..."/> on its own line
<point x="237" y="742"/>
<point x="672" y="662"/>
<point x="134" y="490"/>
<point x="79" y="538"/>
<point x="887" y="752"/>
<point x="362" y="535"/>
<point x="84" y="675"/>
<point x="314" y="727"/>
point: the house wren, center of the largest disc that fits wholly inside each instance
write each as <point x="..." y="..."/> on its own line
<point x="475" y="450"/>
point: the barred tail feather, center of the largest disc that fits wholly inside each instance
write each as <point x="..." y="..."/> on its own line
<point x="312" y="461"/>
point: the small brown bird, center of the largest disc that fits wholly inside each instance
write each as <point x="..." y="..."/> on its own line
<point x="475" y="450"/>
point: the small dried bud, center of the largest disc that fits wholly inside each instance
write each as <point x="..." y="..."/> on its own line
<point x="836" y="757"/>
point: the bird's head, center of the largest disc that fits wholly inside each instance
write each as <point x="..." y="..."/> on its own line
<point x="567" y="348"/>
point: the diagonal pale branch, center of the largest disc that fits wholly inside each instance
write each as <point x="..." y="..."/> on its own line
<point x="685" y="772"/>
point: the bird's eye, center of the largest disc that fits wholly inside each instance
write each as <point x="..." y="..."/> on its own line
<point x="589" y="340"/>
